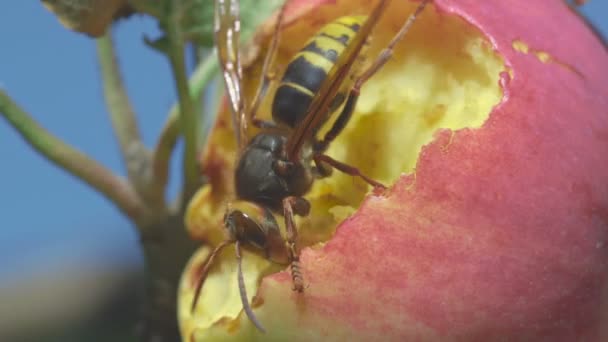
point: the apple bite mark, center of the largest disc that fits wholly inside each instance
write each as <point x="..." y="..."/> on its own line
<point x="543" y="56"/>
<point x="444" y="75"/>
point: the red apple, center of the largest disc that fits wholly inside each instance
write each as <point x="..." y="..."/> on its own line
<point x="496" y="113"/>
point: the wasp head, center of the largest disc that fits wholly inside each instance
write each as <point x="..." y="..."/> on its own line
<point x="265" y="176"/>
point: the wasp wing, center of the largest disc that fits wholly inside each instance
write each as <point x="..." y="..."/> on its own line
<point x="331" y="85"/>
<point x="227" y="32"/>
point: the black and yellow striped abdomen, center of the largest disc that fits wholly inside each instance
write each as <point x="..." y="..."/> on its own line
<point x="308" y="69"/>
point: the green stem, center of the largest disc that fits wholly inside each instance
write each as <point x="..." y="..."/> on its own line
<point x="188" y="120"/>
<point x="202" y="75"/>
<point x="115" y="188"/>
<point x="123" y="118"/>
<point x="212" y="107"/>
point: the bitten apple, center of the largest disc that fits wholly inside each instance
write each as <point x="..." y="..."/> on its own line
<point x="490" y="125"/>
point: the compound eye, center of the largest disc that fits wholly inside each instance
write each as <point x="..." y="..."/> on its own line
<point x="282" y="167"/>
<point x="231" y="219"/>
<point x="245" y="229"/>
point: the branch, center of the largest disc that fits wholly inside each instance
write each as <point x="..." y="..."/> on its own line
<point x="204" y="73"/>
<point x="115" y="188"/>
<point x="134" y="154"/>
<point x="188" y="120"/>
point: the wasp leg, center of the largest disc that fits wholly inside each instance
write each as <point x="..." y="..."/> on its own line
<point x="321" y="170"/>
<point x="205" y="271"/>
<point x="268" y="75"/>
<point x="294" y="205"/>
<point x="341" y="121"/>
<point x="243" y="290"/>
<point x="353" y="95"/>
<point x="387" y="52"/>
<point x="351" y="170"/>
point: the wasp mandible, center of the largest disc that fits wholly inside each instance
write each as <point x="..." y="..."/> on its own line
<point x="278" y="166"/>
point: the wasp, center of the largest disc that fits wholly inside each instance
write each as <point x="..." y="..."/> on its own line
<point x="278" y="166"/>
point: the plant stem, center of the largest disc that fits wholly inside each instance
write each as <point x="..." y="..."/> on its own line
<point x="167" y="248"/>
<point x="121" y="112"/>
<point x="134" y="154"/>
<point x="115" y="188"/>
<point x="202" y="75"/>
<point x="188" y="120"/>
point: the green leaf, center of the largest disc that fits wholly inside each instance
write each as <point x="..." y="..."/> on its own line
<point x="161" y="44"/>
<point x="254" y="13"/>
<point x="197" y="23"/>
<point x="195" y="17"/>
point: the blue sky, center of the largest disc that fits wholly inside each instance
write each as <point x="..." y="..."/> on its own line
<point x="48" y="216"/>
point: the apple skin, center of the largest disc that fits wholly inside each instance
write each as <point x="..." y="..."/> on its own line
<point x="502" y="232"/>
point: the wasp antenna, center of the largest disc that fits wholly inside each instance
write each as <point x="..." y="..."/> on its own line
<point x="407" y="25"/>
<point x="205" y="271"/>
<point x="243" y="290"/>
<point x="411" y="19"/>
<point x="387" y="52"/>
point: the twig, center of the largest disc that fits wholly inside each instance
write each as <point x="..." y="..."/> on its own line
<point x="134" y="154"/>
<point x="202" y="75"/>
<point x="115" y="188"/>
<point x="187" y="118"/>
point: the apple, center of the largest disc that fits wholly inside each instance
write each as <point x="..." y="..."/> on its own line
<point x="490" y="126"/>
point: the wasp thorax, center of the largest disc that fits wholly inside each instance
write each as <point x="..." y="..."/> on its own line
<point x="265" y="176"/>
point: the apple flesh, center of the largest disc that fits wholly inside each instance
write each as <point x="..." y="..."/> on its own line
<point x="496" y="115"/>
